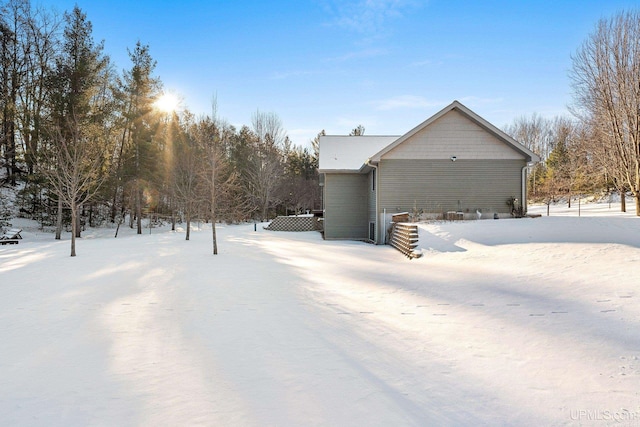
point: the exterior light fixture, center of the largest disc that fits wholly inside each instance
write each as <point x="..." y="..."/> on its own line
<point x="453" y="158"/>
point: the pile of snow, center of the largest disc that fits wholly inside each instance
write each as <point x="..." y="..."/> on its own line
<point x="505" y="322"/>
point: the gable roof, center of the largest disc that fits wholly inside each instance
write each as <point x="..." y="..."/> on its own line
<point x="509" y="141"/>
<point x="348" y="153"/>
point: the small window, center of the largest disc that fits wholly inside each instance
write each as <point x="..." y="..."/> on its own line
<point x="373" y="180"/>
<point x="372" y="231"/>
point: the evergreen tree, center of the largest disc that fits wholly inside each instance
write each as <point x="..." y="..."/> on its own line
<point x="76" y="151"/>
<point x="139" y="155"/>
<point x="359" y="131"/>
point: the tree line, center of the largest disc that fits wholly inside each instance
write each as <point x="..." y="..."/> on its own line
<point x="598" y="149"/>
<point x="84" y="143"/>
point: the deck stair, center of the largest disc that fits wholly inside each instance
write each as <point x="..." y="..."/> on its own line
<point x="404" y="237"/>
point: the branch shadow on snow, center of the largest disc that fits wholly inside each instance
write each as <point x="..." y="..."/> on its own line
<point x="517" y="300"/>
<point x="371" y="353"/>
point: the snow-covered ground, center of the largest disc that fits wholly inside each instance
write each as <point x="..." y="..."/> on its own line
<point x="501" y="322"/>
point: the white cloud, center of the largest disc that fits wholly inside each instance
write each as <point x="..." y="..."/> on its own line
<point x="368" y="16"/>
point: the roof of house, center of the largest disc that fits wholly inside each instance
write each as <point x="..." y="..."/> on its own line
<point x="353" y="153"/>
<point x="349" y="153"/>
<point x="509" y="141"/>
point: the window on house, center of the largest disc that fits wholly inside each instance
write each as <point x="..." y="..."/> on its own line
<point x="373" y="180"/>
<point x="372" y="231"/>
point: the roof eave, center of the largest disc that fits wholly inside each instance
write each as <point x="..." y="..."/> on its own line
<point x="338" y="170"/>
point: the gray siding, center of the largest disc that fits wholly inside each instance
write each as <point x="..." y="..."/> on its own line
<point x="346" y="206"/>
<point x="454" y="134"/>
<point x="372" y="197"/>
<point x="442" y="185"/>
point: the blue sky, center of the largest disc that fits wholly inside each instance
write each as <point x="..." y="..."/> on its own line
<point x="332" y="65"/>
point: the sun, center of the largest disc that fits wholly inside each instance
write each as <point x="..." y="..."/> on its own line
<point x="167" y="103"/>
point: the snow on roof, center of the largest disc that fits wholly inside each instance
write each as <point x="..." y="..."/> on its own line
<point x="349" y="153"/>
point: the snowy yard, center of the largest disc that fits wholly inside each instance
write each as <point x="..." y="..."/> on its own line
<point x="509" y="322"/>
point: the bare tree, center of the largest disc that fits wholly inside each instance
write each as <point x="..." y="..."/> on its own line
<point x="534" y="133"/>
<point x="606" y="82"/>
<point x="74" y="171"/>
<point x="187" y="164"/>
<point x="40" y="42"/>
<point x="582" y="171"/>
<point x="12" y="70"/>
<point x="222" y="191"/>
<point x="207" y="135"/>
<point x="211" y="145"/>
<point x="265" y="165"/>
<point x="74" y="98"/>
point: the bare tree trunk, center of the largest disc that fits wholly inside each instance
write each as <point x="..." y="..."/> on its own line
<point x="173" y="214"/>
<point x="114" y="203"/>
<point x="213" y="201"/>
<point x="188" y="218"/>
<point x="74" y="227"/>
<point x="138" y="207"/>
<point x="623" y="201"/>
<point x="78" y="225"/>
<point x="120" y="221"/>
<point x="123" y="140"/>
<point x="215" y="238"/>
<point x="132" y="210"/>
<point x="59" y="219"/>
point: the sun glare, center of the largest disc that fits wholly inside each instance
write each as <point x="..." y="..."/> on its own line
<point x="167" y="103"/>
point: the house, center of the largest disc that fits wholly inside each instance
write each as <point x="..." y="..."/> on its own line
<point x="455" y="161"/>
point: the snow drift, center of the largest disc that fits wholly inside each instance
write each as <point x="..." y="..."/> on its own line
<point x="507" y="322"/>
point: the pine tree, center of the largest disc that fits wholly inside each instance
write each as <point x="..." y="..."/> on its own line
<point x="76" y="151"/>
<point x="139" y="154"/>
